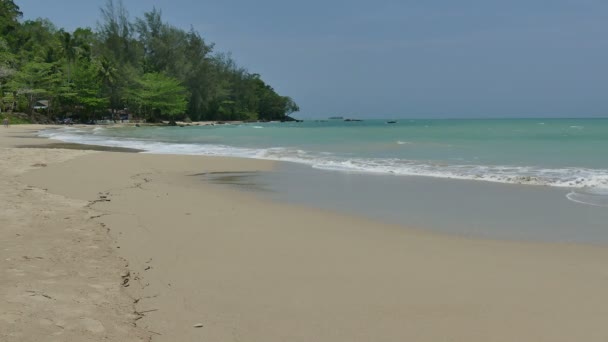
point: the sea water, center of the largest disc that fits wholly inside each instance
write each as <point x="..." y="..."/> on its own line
<point x="565" y="154"/>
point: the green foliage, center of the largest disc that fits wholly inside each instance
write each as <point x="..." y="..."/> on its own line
<point x="36" y="79"/>
<point x="157" y="94"/>
<point x="7" y="71"/>
<point x="13" y="119"/>
<point x="144" y="66"/>
<point x="9" y="19"/>
<point x="88" y="86"/>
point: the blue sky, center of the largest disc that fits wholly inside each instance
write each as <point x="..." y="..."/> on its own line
<point x="431" y="58"/>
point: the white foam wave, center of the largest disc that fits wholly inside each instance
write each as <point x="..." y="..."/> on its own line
<point x="574" y="177"/>
<point x="594" y="197"/>
<point x="566" y="177"/>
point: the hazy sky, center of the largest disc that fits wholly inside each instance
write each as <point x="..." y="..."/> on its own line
<point x="424" y="58"/>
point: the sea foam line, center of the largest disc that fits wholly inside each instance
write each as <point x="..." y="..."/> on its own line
<point x="596" y="199"/>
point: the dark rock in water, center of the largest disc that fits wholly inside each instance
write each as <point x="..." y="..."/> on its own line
<point x="391" y="122"/>
<point x="290" y="119"/>
<point x="137" y="125"/>
<point x="172" y="123"/>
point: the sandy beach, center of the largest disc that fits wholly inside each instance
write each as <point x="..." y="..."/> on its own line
<point x="121" y="246"/>
<point x="60" y="275"/>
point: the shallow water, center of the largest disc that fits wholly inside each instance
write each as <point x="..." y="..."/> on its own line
<point x="460" y="207"/>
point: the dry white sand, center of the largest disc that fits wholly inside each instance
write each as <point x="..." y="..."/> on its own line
<point x="248" y="269"/>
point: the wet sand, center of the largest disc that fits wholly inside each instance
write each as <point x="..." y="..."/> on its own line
<point x="70" y="146"/>
<point x="451" y="206"/>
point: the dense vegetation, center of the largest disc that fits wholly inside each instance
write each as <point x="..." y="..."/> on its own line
<point x="145" y="67"/>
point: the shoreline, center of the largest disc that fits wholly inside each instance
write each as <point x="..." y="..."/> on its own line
<point x="252" y="269"/>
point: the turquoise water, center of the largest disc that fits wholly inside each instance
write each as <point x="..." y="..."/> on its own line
<point x="537" y="152"/>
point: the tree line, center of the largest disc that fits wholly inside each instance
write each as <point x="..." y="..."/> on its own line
<point x="146" y="67"/>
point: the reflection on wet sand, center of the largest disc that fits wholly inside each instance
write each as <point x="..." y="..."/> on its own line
<point x="243" y="180"/>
